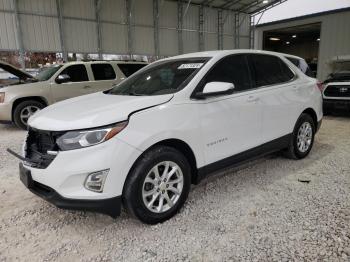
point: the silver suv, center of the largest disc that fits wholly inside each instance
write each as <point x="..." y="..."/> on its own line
<point x="24" y="95"/>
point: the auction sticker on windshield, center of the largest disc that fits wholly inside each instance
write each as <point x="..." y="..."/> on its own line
<point x="190" y="66"/>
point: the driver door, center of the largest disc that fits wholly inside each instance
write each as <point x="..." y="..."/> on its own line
<point x="230" y="124"/>
<point x="77" y="85"/>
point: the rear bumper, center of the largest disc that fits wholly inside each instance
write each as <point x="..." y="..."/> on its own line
<point x="336" y="104"/>
<point x="109" y="206"/>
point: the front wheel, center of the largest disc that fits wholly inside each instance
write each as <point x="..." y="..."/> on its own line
<point x="24" y="110"/>
<point x="158" y="185"/>
<point x="302" y="138"/>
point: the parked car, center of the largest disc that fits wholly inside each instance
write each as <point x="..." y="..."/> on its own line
<point x="22" y="97"/>
<point x="144" y="142"/>
<point x="336" y="92"/>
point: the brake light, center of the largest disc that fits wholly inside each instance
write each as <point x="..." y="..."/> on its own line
<point x="320" y="86"/>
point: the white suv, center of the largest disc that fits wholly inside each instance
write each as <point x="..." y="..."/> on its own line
<point x="143" y="142"/>
<point x="24" y="96"/>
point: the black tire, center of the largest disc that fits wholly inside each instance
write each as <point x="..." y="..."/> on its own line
<point x="21" y="106"/>
<point x="134" y="185"/>
<point x="293" y="150"/>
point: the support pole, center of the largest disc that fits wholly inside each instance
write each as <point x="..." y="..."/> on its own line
<point x="19" y="36"/>
<point x="129" y="27"/>
<point x="220" y="31"/>
<point x="60" y="29"/>
<point x="156" y="27"/>
<point x="201" y="28"/>
<point x="180" y="25"/>
<point x="236" y="32"/>
<point x="98" y="28"/>
<point x="252" y="32"/>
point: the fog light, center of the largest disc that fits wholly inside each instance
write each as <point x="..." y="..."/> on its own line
<point x="96" y="180"/>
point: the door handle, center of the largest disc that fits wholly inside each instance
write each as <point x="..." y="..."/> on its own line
<point x="87" y="87"/>
<point x="252" y="99"/>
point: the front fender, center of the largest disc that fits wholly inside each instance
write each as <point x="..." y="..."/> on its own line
<point x="149" y="127"/>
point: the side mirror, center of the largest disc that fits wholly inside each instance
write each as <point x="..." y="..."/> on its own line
<point x="216" y="89"/>
<point x="64" y="78"/>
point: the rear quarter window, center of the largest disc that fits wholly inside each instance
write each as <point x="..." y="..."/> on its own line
<point x="103" y="72"/>
<point x="269" y="70"/>
<point x="302" y="65"/>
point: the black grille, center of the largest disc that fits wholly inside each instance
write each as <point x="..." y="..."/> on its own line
<point x="337" y="91"/>
<point x="37" y="144"/>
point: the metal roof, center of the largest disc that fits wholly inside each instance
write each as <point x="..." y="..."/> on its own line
<point x="329" y="12"/>
<point x="244" y="6"/>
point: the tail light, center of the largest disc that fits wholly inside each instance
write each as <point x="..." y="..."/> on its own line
<point x="320" y="86"/>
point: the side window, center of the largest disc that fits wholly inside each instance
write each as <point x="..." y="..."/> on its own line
<point x="77" y="73"/>
<point x="287" y="73"/>
<point x="129" y="69"/>
<point x="103" y="71"/>
<point x="269" y="70"/>
<point x="233" y="69"/>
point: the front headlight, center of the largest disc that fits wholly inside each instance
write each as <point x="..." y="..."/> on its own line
<point x="85" y="138"/>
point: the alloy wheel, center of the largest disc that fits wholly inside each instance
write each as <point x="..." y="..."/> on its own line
<point x="27" y="112"/>
<point x="162" y="187"/>
<point x="304" y="137"/>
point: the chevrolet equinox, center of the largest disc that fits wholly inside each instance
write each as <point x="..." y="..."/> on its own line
<point x="142" y="143"/>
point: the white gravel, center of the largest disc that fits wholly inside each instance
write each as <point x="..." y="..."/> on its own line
<point x="258" y="213"/>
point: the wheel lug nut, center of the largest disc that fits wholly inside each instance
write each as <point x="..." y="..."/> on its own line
<point x="158" y="190"/>
<point x="167" y="185"/>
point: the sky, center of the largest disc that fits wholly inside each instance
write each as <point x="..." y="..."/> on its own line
<point x="293" y="8"/>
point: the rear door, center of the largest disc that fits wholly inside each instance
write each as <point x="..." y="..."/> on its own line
<point x="103" y="77"/>
<point x="77" y="86"/>
<point x="230" y="124"/>
<point x="278" y="94"/>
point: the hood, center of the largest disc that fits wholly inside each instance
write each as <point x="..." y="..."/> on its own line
<point x="93" y="110"/>
<point x="15" y="71"/>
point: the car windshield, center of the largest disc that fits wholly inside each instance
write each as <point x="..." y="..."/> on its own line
<point x="166" y="77"/>
<point x="46" y="73"/>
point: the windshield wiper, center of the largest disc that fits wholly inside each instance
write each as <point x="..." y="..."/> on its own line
<point x="135" y="94"/>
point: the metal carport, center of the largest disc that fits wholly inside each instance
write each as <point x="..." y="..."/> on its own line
<point x="155" y="28"/>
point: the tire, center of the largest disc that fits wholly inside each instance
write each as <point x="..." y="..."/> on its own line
<point x="28" y="107"/>
<point x="136" y="187"/>
<point x="295" y="150"/>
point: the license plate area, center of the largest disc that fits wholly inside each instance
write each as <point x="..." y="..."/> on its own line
<point x="25" y="176"/>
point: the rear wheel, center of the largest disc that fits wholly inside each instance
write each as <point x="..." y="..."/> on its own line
<point x="24" y="110"/>
<point x="302" y="138"/>
<point x="158" y="185"/>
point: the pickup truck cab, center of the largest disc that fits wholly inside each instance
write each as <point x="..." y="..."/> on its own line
<point x="25" y="95"/>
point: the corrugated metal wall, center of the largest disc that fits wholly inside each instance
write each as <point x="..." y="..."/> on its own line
<point x="40" y="29"/>
<point x="335" y="37"/>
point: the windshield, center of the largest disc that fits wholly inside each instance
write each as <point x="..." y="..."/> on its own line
<point x="160" y="78"/>
<point x="46" y="73"/>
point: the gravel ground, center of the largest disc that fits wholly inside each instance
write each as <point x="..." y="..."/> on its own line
<point x="261" y="212"/>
